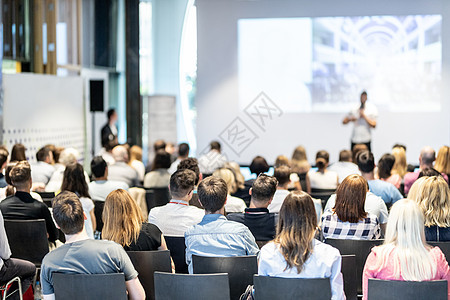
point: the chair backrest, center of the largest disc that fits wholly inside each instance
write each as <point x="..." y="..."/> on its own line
<point x="98" y="211"/>
<point x="90" y="286"/>
<point x="177" y="248"/>
<point x="27" y="239"/>
<point x="322" y="194"/>
<point x="191" y="287"/>
<point x="268" y="288"/>
<point x="146" y="263"/>
<point x="407" y="290"/>
<point x="360" y="248"/>
<point x="348" y="270"/>
<point x="240" y="270"/>
<point x="156" y="197"/>
<point x="47" y="197"/>
<point x="444" y="246"/>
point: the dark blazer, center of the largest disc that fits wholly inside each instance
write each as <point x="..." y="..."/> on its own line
<point x="107" y="135"/>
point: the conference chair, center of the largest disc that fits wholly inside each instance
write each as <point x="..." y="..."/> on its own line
<point x="269" y="288"/>
<point x="4" y="288"/>
<point x="90" y="286"/>
<point x="240" y="270"/>
<point x="348" y="269"/>
<point x="47" y="197"/>
<point x="156" y="197"/>
<point x="360" y="248"/>
<point x="146" y="263"/>
<point x="191" y="287"/>
<point x="98" y="211"/>
<point x="177" y="248"/>
<point x="407" y="290"/>
<point x="322" y="194"/>
<point x="444" y="246"/>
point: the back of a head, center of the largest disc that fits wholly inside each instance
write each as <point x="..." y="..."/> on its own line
<point x="18" y="153"/>
<point x="434" y="199"/>
<point x="263" y="188"/>
<point x="297" y="223"/>
<point x="385" y="165"/>
<point x="162" y="160"/>
<point x="357" y="148"/>
<point x="190" y="163"/>
<point x="442" y="163"/>
<point x="259" y="165"/>
<point x="282" y="160"/>
<point x="322" y="159"/>
<point x="69" y="156"/>
<point x="68" y="213"/>
<point x="240" y="179"/>
<point x="182" y="182"/>
<point x="212" y="193"/>
<point x="135" y="153"/>
<point x="120" y="153"/>
<point x="75" y="181"/>
<point x="299" y="154"/>
<point x="42" y="154"/>
<point x="365" y="161"/>
<point x="98" y="166"/>
<point x="228" y="176"/>
<point x="350" y="199"/>
<point x="345" y="155"/>
<point x="3" y="157"/>
<point x="159" y="145"/>
<point x="122" y="218"/>
<point x="282" y="174"/>
<point x="400" y="164"/>
<point x="215" y="145"/>
<point x="56" y="152"/>
<point x="399" y="146"/>
<point x="427" y="156"/>
<point x="183" y="150"/>
<point x="20" y="174"/>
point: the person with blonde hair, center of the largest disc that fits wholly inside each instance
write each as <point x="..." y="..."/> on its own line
<point x="233" y="204"/>
<point x="404" y="254"/>
<point x="282" y="160"/>
<point x="299" y="161"/>
<point x="433" y="197"/>
<point x="400" y="165"/>
<point x="136" y="161"/>
<point x="125" y="224"/>
<point x="442" y="163"/>
<point x="294" y="253"/>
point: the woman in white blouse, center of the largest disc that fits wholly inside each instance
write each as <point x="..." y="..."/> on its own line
<point x="323" y="178"/>
<point x="295" y="253"/>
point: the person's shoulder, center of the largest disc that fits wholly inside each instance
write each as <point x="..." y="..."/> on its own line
<point x="327" y="250"/>
<point x="236" y="217"/>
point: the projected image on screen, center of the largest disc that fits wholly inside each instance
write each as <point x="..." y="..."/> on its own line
<point x="322" y="64"/>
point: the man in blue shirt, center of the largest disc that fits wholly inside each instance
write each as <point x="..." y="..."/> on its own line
<point x="387" y="191"/>
<point x="215" y="235"/>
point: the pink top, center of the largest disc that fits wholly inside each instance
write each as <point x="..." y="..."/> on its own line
<point x="443" y="270"/>
<point x="395" y="179"/>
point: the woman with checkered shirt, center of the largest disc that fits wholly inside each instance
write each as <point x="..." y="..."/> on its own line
<point x="348" y="219"/>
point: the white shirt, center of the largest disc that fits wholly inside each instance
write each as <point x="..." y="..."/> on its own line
<point x="373" y="205"/>
<point x="56" y="180"/>
<point x="174" y="218"/>
<point x="139" y="167"/>
<point x="344" y="169"/>
<point x="235" y="205"/>
<point x="326" y="180"/>
<point x="361" y="129"/>
<point x="324" y="262"/>
<point x="158" y="178"/>
<point x="100" y="189"/>
<point x="174" y="166"/>
<point x="41" y="172"/>
<point x="277" y="201"/>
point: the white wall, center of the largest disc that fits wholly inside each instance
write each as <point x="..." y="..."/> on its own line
<point x="217" y="83"/>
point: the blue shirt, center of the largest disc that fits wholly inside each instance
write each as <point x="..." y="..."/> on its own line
<point x="217" y="236"/>
<point x="386" y="191"/>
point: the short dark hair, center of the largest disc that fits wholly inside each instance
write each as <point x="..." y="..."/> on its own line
<point x="68" y="213"/>
<point x="345" y="155"/>
<point x="3" y="157"/>
<point x="263" y="188"/>
<point x="43" y="153"/>
<point x="215" y="145"/>
<point x="190" y="163"/>
<point x="212" y="193"/>
<point x="110" y="113"/>
<point x="365" y="161"/>
<point x="385" y="165"/>
<point x="182" y="182"/>
<point x="159" y="145"/>
<point x="183" y="149"/>
<point x="98" y="166"/>
<point x="162" y="160"/>
<point x="20" y="173"/>
<point x="282" y="174"/>
<point x="364" y="93"/>
<point x="259" y="165"/>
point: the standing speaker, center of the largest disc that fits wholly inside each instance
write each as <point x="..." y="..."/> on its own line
<point x="96" y="95"/>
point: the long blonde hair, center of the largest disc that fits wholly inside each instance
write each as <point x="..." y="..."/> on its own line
<point x="299" y="162"/>
<point x="442" y="163"/>
<point x="434" y="199"/>
<point x="228" y="176"/>
<point x="405" y="241"/>
<point x="297" y="223"/>
<point x="122" y="218"/>
<point x="400" y="164"/>
<point x="415" y="189"/>
<point x="135" y="154"/>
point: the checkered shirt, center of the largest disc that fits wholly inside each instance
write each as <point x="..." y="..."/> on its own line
<point x="366" y="229"/>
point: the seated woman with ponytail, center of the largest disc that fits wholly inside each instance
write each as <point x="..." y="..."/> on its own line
<point x="323" y="178"/>
<point x="405" y="254"/>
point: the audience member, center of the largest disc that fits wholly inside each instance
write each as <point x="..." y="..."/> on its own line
<point x="136" y="161"/>
<point x="385" y="165"/>
<point x="212" y="160"/>
<point x="191" y="163"/>
<point x="404" y="254"/>
<point x="400" y="166"/>
<point x="125" y="224"/>
<point x="159" y="176"/>
<point x="433" y="197"/>
<point x="183" y="153"/>
<point x="174" y="218"/>
<point x="18" y="153"/>
<point x="257" y="166"/>
<point x="345" y="166"/>
<point x="43" y="169"/>
<point x="22" y="206"/>
<point x="157" y="145"/>
<point x="385" y="190"/>
<point x="170" y="148"/>
<point x="233" y="204"/>
<point x="75" y="182"/>
<point x="357" y="149"/>
<point x="442" y="163"/>
<point x="295" y="253"/>
<point x="348" y="219"/>
<point x="409" y="167"/>
<point x="82" y="255"/>
<point x="106" y="152"/>
<point x="301" y="166"/>
<point x="3" y="162"/>
<point x="294" y="184"/>
<point x="215" y="235"/>
<point x="13" y="267"/>
<point x="282" y="175"/>
<point x="323" y="178"/>
<point x="109" y="131"/>
<point x="100" y="187"/>
<point x="257" y="217"/>
<point x="10" y="190"/>
<point x="120" y="170"/>
<point x="240" y="179"/>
